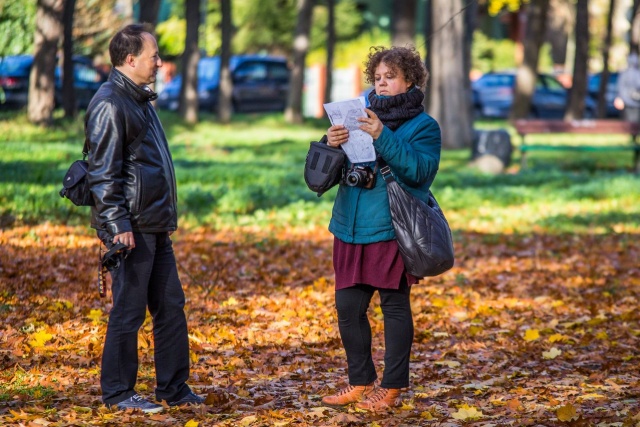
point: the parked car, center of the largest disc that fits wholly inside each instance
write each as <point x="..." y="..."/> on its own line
<point x="260" y="83"/>
<point x="493" y="95"/>
<point x="593" y="86"/>
<point x="14" y="80"/>
<point x="87" y="79"/>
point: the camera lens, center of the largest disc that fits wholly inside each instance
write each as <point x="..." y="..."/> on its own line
<point x="353" y="179"/>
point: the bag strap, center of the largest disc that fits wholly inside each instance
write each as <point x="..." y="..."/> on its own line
<point x="385" y="170"/>
<point x="134" y="145"/>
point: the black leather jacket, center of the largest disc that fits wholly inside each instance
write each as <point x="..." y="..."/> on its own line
<point x="134" y="189"/>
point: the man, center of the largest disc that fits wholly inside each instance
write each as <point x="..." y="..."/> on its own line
<point x="134" y="190"/>
<point x="628" y="98"/>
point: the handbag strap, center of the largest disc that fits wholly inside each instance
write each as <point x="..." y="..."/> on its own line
<point x="134" y="145"/>
<point x="385" y="170"/>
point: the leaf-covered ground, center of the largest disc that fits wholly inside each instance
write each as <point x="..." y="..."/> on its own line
<point x="535" y="330"/>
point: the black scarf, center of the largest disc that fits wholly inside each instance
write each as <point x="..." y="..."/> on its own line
<point x="393" y="111"/>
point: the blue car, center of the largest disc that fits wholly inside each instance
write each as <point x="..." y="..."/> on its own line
<point x="493" y="95"/>
<point x="14" y="81"/>
<point x="611" y="92"/>
<point x="260" y="83"/>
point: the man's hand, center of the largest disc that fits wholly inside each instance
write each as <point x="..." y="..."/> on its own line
<point x="618" y="103"/>
<point x="125" y="238"/>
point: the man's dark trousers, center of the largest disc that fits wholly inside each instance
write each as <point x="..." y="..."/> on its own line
<point x="147" y="277"/>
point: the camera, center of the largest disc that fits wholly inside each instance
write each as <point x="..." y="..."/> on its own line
<point x="360" y="176"/>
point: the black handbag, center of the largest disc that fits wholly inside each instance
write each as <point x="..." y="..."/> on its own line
<point x="422" y="231"/>
<point x="75" y="184"/>
<point x="323" y="166"/>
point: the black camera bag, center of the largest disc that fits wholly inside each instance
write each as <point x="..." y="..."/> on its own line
<point x="323" y="166"/>
<point x="75" y="185"/>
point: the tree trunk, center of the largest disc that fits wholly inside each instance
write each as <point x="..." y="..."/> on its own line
<point x="449" y="101"/>
<point x="403" y="27"/>
<point x="470" y="18"/>
<point x="528" y="71"/>
<point x="190" y="58"/>
<point x="428" y="29"/>
<point x="125" y="10"/>
<point x="604" y="76"/>
<point x="68" y="90"/>
<point x="559" y="21"/>
<point x="575" y="107"/>
<point x="149" y="12"/>
<point x="331" y="43"/>
<point x="635" y="28"/>
<point x="293" y="113"/>
<point x="42" y="78"/>
<point x="225" y="101"/>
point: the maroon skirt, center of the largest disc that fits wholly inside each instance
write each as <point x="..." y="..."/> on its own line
<point x="376" y="264"/>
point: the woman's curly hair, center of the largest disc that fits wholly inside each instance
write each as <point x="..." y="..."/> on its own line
<point x="404" y="59"/>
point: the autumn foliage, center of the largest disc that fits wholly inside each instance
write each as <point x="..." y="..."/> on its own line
<point x="526" y="330"/>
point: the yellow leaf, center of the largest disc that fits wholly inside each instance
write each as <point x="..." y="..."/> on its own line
<point x="426" y="415"/>
<point x="191" y="423"/>
<point x="602" y="335"/>
<point x="438" y="302"/>
<point x="406" y="406"/>
<point x="567" y="413"/>
<point x="95" y="315"/>
<point x="230" y="302"/>
<point x="466" y="412"/>
<point x="531" y="335"/>
<point x="38" y="339"/>
<point x="449" y="363"/>
<point x="558" y="337"/>
<point x="474" y="330"/>
<point x="248" y="420"/>
<point x="551" y="354"/>
<point x="590" y="396"/>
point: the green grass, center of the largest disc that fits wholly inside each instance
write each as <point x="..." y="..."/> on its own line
<point x="250" y="173"/>
<point x="21" y="385"/>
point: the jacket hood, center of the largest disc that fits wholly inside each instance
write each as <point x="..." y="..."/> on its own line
<point x="140" y="93"/>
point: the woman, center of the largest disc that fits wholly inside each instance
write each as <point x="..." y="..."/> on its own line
<point x="365" y="254"/>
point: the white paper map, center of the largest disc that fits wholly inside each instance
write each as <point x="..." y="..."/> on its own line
<point x="359" y="146"/>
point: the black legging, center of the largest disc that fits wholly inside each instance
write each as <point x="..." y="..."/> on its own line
<point x="352" y="304"/>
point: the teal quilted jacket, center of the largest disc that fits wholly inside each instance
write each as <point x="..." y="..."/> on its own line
<point x="412" y="152"/>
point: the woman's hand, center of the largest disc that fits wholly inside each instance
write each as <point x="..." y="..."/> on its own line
<point x="336" y="135"/>
<point x="371" y="125"/>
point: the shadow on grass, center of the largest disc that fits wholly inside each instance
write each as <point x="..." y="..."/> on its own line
<point x="608" y="221"/>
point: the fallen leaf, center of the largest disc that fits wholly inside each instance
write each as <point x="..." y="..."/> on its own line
<point x="552" y="353"/>
<point x="567" y="413"/>
<point x="466" y="412"/>
<point x="531" y="335"/>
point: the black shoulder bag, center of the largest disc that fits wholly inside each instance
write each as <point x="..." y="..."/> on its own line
<point x="423" y="233"/>
<point x="323" y="166"/>
<point x="75" y="184"/>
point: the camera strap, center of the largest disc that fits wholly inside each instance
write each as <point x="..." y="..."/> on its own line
<point x="107" y="263"/>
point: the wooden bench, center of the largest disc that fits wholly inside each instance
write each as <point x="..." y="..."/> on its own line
<point x="526" y="127"/>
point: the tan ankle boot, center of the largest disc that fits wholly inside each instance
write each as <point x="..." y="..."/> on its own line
<point x="381" y="400"/>
<point x="351" y="394"/>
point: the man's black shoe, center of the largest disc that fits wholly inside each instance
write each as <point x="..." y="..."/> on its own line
<point x="138" y="402"/>
<point x="189" y="399"/>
